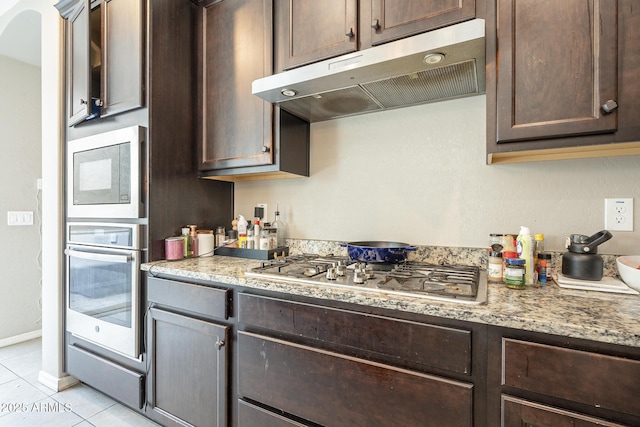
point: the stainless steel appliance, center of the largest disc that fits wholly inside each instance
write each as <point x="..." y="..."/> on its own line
<point x="104" y="175"/>
<point x="453" y="283"/>
<point x="103" y="284"/>
<point x="441" y="64"/>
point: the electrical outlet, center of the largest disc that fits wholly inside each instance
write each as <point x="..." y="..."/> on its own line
<point x="618" y="214"/>
<point x="265" y="217"/>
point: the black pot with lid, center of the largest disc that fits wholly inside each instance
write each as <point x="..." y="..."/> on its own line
<point x="582" y="261"/>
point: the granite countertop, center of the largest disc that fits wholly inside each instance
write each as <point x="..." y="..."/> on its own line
<point x="597" y="316"/>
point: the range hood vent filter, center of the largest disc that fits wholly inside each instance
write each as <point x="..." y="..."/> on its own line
<point x="426" y="86"/>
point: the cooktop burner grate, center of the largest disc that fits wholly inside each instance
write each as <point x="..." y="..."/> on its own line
<point x="462" y="284"/>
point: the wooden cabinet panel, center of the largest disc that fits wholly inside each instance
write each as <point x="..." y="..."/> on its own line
<point x="105" y="57"/>
<point x="187" y="370"/>
<point x="236" y="49"/>
<point x="313" y="30"/>
<point x="336" y="390"/>
<point x="123" y="46"/>
<point x="522" y="413"/>
<point x="557" y="67"/>
<point x="590" y="378"/>
<point x="429" y="345"/>
<point x="78" y="65"/>
<point x="394" y="19"/>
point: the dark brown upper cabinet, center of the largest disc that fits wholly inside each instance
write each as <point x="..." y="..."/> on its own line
<point x="240" y="136"/>
<point x="312" y="31"/>
<point x="105" y="51"/>
<point x="562" y="79"/>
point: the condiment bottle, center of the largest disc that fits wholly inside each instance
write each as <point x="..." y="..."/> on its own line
<point x="242" y="232"/>
<point x="524" y="243"/>
<point x="279" y="226"/>
<point x="188" y="243"/>
<point x="514" y="273"/>
<point x="495" y="267"/>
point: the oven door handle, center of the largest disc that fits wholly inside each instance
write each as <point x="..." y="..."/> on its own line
<point x="99" y="257"/>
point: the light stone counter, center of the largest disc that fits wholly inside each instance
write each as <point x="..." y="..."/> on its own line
<point x="610" y="318"/>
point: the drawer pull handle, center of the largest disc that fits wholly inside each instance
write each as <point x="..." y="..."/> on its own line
<point x="219" y="344"/>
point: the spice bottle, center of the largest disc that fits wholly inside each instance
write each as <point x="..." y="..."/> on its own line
<point x="194" y="240"/>
<point x="220" y="236"/>
<point x="538" y="247"/>
<point x="545" y="267"/>
<point x="494" y="267"/>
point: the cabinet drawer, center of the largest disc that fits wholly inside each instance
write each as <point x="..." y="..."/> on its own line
<point x="108" y="377"/>
<point x="252" y="416"/>
<point x="429" y="345"/>
<point x="519" y="412"/>
<point x="594" y="379"/>
<point x="331" y="389"/>
<point x="204" y="300"/>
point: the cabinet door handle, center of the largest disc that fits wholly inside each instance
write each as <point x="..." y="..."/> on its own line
<point x="375" y="24"/>
<point x="610" y="106"/>
<point x="350" y="33"/>
<point x="265" y="149"/>
<point x="219" y="344"/>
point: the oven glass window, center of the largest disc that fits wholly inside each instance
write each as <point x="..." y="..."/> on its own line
<point x="101" y="289"/>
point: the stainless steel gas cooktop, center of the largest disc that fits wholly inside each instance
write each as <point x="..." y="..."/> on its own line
<point x="452" y="283"/>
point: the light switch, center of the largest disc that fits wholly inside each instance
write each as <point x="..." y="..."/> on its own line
<point x="20" y="218"/>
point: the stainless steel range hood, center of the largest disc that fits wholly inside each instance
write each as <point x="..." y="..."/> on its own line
<point x="392" y="75"/>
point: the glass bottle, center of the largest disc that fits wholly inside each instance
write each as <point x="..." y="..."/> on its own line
<point x="278" y="225"/>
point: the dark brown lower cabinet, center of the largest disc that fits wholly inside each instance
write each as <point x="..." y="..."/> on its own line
<point x="334" y="390"/>
<point x="520" y="413"/>
<point x="539" y="380"/>
<point x="187" y="348"/>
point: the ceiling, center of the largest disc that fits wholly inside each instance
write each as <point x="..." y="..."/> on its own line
<point x="20" y="39"/>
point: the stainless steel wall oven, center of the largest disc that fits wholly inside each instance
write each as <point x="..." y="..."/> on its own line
<point x="103" y="284"/>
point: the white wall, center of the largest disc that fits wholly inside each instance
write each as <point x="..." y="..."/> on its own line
<point x="20" y="167"/>
<point x="418" y="175"/>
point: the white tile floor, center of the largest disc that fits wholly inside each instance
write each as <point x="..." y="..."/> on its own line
<point x="26" y="402"/>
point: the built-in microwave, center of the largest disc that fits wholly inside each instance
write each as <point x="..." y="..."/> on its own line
<point x="105" y="174"/>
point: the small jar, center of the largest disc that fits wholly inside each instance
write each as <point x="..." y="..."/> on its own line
<point x="506" y="255"/>
<point x="265" y="240"/>
<point x="495" y="239"/>
<point x="220" y="236"/>
<point x="495" y="267"/>
<point x="545" y="267"/>
<point x="514" y="273"/>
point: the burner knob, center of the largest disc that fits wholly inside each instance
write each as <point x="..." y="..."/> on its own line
<point x="368" y="272"/>
<point x="359" y="277"/>
<point x="332" y="273"/>
<point x="341" y="270"/>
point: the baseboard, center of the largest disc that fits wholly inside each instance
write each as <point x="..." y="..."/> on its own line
<point x="55" y="383"/>
<point x="5" y="342"/>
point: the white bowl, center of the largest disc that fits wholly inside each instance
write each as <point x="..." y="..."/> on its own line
<point x="628" y="267"/>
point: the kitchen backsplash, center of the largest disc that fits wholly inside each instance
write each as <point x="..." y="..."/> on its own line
<point x="431" y="254"/>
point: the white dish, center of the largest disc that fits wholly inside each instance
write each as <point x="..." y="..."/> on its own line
<point x="607" y="284"/>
